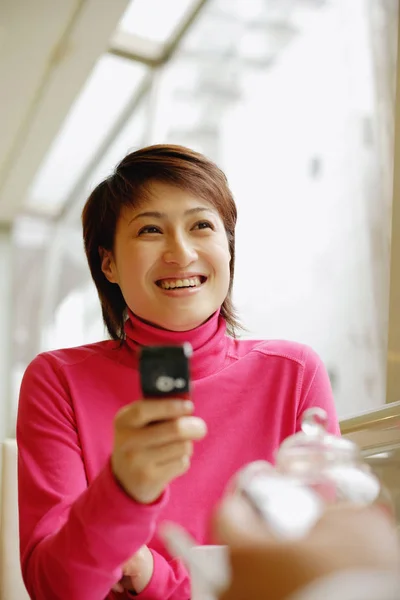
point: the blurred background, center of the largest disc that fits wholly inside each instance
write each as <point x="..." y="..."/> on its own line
<point x="294" y="99"/>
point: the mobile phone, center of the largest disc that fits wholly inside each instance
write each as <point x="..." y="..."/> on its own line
<point x="165" y="371"/>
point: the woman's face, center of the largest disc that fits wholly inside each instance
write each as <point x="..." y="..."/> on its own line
<point x="170" y="259"/>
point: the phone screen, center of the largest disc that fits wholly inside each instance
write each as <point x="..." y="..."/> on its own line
<point x="165" y="371"/>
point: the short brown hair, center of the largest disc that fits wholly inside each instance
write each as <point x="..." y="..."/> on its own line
<point x="175" y="165"/>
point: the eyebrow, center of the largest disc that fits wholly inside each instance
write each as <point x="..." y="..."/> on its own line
<point x="160" y="215"/>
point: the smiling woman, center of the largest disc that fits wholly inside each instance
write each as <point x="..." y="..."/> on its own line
<point x="166" y="213"/>
<point x="172" y="268"/>
<point x="99" y="466"/>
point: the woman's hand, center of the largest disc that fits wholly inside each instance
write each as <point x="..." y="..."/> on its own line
<point x="137" y="572"/>
<point x="153" y="443"/>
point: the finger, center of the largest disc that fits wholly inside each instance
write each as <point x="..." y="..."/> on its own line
<point x="171" y="452"/>
<point x="142" y="412"/>
<point x="173" y="469"/>
<point x="161" y="434"/>
<point x="131" y="567"/>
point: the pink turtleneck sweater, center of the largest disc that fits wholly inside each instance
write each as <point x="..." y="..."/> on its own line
<point x="77" y="526"/>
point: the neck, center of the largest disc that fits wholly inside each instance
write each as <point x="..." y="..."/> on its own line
<point x="172" y="332"/>
<point x="207" y="340"/>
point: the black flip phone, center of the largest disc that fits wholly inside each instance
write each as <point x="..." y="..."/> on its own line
<point x="165" y="371"/>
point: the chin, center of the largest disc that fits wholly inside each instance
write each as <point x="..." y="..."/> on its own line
<point x="186" y="324"/>
<point x="182" y="326"/>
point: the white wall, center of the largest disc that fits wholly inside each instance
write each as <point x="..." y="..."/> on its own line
<point x="308" y="248"/>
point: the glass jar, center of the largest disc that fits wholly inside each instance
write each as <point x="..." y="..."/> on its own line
<point x="330" y="465"/>
<point x="313" y="470"/>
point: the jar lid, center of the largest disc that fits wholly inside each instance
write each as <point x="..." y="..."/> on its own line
<point x="314" y="439"/>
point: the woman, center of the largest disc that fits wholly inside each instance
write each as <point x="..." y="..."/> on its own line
<point x="99" y="467"/>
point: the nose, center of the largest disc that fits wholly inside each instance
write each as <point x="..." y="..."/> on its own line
<point x="180" y="251"/>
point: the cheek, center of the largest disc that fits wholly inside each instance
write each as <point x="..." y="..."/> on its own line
<point x="225" y="251"/>
<point x="131" y="265"/>
<point x="222" y="259"/>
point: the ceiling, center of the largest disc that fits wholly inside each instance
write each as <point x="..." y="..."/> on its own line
<point x="53" y="58"/>
<point x="67" y="81"/>
<point x="48" y="48"/>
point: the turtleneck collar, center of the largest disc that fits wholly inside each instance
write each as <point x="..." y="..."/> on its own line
<point x="208" y="341"/>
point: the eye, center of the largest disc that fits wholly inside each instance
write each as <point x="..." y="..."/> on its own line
<point x="149" y="229"/>
<point x="203" y="225"/>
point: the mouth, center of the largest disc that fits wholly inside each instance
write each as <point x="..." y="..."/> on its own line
<point x="172" y="283"/>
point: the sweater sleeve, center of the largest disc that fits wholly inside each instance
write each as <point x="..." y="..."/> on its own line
<point x="74" y="537"/>
<point x="316" y="390"/>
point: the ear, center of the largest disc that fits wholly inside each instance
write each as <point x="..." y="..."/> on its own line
<point x="108" y="265"/>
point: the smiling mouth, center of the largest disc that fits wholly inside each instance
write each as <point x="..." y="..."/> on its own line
<point x="173" y="284"/>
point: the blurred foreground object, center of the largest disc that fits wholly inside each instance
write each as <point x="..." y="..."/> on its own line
<point x="351" y="553"/>
<point x="314" y="470"/>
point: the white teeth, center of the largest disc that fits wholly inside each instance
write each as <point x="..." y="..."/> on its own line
<point x="171" y="284"/>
